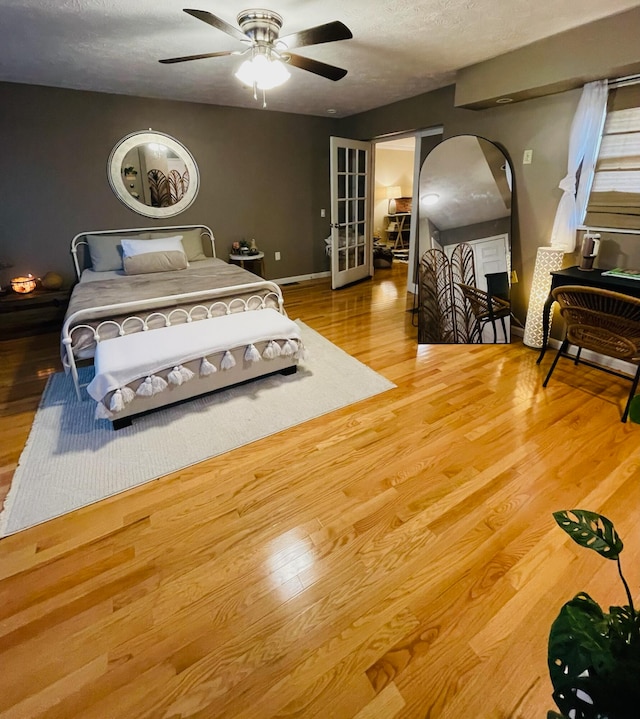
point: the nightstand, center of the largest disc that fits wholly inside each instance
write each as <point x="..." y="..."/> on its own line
<point x="32" y="313"/>
<point x="241" y="259"/>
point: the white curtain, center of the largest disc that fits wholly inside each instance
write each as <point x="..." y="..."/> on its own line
<point x="583" y="146"/>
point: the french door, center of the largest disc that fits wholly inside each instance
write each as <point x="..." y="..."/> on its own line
<point x="351" y="240"/>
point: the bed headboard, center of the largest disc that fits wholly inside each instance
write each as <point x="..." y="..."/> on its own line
<point x="79" y="244"/>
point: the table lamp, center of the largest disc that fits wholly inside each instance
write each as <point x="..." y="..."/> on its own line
<point x="392" y="192"/>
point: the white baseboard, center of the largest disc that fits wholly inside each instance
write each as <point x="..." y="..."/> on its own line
<point x="301" y="278"/>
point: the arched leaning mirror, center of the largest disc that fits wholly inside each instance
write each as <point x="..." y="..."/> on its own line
<point x="153" y="174"/>
<point x="464" y="243"/>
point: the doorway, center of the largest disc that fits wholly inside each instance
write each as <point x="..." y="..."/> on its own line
<point x="395" y="206"/>
<point x="394" y="161"/>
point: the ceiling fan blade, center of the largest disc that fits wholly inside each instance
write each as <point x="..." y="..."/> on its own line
<point x="217" y="23"/>
<point x="331" y="72"/>
<point x="171" y="60"/>
<point x="329" y="32"/>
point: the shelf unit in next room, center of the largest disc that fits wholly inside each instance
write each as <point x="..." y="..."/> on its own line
<point x="398" y="230"/>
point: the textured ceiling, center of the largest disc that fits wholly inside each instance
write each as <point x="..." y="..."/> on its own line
<point x="400" y="48"/>
<point x="464" y="172"/>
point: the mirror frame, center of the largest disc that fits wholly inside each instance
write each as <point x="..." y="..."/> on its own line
<point x="443" y="270"/>
<point x="116" y="179"/>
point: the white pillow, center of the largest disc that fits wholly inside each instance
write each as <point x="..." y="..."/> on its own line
<point x="131" y="248"/>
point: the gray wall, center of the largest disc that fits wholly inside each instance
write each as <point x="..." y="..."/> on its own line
<point x="264" y="175"/>
<point x="456" y="235"/>
<point x="604" y="48"/>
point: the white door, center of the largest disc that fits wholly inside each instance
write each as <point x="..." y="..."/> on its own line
<point x="351" y="238"/>
<point x="490" y="254"/>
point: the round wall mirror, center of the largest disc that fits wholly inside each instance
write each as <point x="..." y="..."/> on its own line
<point x="153" y="174"/>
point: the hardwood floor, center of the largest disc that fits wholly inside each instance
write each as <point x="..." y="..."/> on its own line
<point x="396" y="558"/>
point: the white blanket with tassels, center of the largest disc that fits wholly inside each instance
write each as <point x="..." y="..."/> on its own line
<point x="122" y="360"/>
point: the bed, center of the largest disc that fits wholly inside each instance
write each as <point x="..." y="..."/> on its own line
<point x="164" y="320"/>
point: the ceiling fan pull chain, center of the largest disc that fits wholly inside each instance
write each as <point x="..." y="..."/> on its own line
<point x="264" y="97"/>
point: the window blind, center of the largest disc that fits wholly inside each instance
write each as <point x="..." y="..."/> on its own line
<point x="614" y="200"/>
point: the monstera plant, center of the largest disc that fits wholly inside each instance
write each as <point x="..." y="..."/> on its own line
<point x="594" y="657"/>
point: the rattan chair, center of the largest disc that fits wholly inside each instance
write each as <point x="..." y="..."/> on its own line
<point x="601" y="321"/>
<point x="486" y="309"/>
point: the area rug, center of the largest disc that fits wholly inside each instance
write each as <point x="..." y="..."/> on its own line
<point x="70" y="460"/>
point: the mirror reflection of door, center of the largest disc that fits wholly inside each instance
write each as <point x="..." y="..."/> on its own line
<point x="464" y="243"/>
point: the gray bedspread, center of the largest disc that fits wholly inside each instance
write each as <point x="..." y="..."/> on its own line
<point x="95" y="295"/>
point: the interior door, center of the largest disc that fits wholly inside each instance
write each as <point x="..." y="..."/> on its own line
<point x="490" y="254"/>
<point x="351" y="238"/>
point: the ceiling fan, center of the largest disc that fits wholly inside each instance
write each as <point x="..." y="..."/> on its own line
<point x="268" y="52"/>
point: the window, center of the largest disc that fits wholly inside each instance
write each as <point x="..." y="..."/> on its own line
<point x="614" y="200"/>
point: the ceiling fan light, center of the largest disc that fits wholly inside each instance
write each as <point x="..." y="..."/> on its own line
<point x="245" y="73"/>
<point x="263" y="72"/>
<point x="274" y="75"/>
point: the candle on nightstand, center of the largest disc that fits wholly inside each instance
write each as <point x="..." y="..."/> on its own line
<point x="23" y="285"/>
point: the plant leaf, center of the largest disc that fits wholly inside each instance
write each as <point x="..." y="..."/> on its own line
<point x="590" y="655"/>
<point x="590" y="530"/>
<point x="576" y="641"/>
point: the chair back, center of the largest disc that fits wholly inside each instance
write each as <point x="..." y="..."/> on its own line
<point x="601" y="320"/>
<point x="484" y="306"/>
<point x="498" y="285"/>
<point x="477" y="299"/>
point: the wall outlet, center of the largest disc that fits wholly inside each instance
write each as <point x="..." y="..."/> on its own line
<point x="323" y="212"/>
<point x="277" y="255"/>
<point x="527" y="157"/>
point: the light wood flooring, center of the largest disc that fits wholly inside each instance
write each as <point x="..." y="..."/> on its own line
<point x="396" y="558"/>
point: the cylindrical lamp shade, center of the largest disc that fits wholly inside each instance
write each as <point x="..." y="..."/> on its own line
<point x="548" y="260"/>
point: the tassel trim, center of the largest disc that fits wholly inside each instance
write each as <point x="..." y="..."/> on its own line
<point x="228" y="361"/>
<point x="206" y="368"/>
<point x="158" y="383"/>
<point x="120" y="398"/>
<point x="179" y="374"/>
<point x="271" y="351"/>
<point x="251" y="354"/>
<point x="145" y="388"/>
<point x="102" y="412"/>
<point x="289" y="348"/>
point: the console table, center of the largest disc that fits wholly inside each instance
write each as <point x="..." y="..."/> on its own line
<point x="585" y="278"/>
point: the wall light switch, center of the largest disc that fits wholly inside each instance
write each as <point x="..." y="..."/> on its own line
<point x="277" y="255"/>
<point x="323" y="212"/>
<point x="527" y="157"/>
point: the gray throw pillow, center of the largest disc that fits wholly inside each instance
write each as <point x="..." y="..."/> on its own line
<point x="105" y="252"/>
<point x="155" y="262"/>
